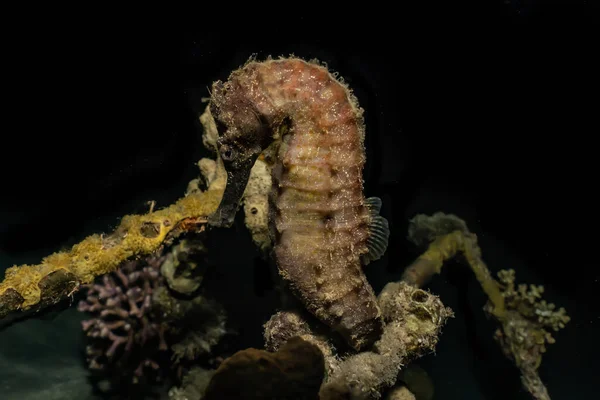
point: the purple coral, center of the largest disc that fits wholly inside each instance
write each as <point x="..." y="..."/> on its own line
<point x="124" y="337"/>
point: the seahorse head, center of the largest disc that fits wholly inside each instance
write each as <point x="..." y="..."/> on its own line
<point x="243" y="130"/>
<point x="243" y="134"/>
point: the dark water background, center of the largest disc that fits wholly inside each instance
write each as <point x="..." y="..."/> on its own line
<point x="486" y="111"/>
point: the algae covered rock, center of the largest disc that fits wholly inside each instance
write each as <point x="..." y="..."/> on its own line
<point x="294" y="372"/>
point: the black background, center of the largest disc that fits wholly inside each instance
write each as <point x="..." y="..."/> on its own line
<point x="487" y="111"/>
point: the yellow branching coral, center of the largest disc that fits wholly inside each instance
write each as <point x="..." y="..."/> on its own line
<point x="446" y="236"/>
<point x="523" y="317"/>
<point x="60" y="274"/>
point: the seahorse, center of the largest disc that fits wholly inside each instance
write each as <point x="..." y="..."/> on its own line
<point x="322" y="226"/>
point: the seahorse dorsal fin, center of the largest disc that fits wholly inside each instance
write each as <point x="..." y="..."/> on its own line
<point x="379" y="232"/>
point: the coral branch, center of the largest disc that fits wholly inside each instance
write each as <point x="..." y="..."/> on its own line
<point x="522" y="317"/>
<point x="414" y="319"/>
<point x="33" y="287"/>
<point x="449" y="236"/>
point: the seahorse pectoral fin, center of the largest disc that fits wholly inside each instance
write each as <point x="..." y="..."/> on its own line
<point x="237" y="179"/>
<point x="379" y="230"/>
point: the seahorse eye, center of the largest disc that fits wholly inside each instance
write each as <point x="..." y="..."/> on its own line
<point x="227" y="152"/>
